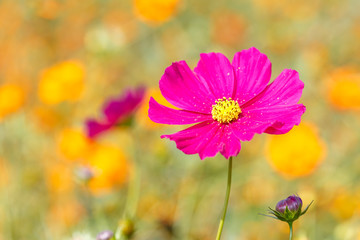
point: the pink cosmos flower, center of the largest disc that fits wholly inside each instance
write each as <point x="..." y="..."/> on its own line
<point x="230" y="102"/>
<point x="117" y="111"/>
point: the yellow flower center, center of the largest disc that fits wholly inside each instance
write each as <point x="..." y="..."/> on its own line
<point x="225" y="110"/>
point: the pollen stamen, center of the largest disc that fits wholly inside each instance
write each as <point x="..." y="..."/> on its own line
<point x="225" y="110"/>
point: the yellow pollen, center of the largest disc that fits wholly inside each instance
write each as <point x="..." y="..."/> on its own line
<point x="225" y="110"/>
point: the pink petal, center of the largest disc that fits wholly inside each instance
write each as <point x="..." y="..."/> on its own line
<point x="216" y="70"/>
<point x="274" y="120"/>
<point x="207" y="139"/>
<point x="286" y="89"/>
<point x="252" y="73"/>
<point x="94" y="128"/>
<point x="184" y="90"/>
<point x="161" y="114"/>
<point x="121" y="107"/>
<point x="274" y="110"/>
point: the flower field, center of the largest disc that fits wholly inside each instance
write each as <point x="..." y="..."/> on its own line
<point x="118" y="119"/>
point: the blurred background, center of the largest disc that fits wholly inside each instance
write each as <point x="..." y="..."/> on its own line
<point x="60" y="62"/>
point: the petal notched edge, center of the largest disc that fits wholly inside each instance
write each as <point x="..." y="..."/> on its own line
<point x="252" y="73"/>
<point x="216" y="71"/>
<point x="184" y="90"/>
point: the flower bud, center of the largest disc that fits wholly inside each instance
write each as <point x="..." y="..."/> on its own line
<point x="292" y="203"/>
<point x="84" y="173"/>
<point x="125" y="229"/>
<point x="288" y="210"/>
<point x="105" y="235"/>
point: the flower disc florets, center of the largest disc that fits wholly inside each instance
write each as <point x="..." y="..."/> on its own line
<point x="225" y="110"/>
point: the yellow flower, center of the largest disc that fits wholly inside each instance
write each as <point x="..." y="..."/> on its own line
<point x="73" y="144"/>
<point x="344" y="88"/>
<point x="62" y="82"/>
<point x="110" y="168"/>
<point x="296" y="153"/>
<point x="155" y="11"/>
<point x="11" y="99"/>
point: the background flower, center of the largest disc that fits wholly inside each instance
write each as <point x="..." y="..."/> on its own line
<point x="62" y="82"/>
<point x="117" y="111"/>
<point x="12" y="97"/>
<point x="298" y="153"/>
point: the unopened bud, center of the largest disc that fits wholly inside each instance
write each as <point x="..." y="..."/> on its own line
<point x="288" y="210"/>
<point x="105" y="235"/>
<point x="292" y="203"/>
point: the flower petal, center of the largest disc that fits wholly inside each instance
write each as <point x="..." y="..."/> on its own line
<point x="161" y="114"/>
<point x="123" y="106"/>
<point x="286" y="89"/>
<point x="184" y="90"/>
<point x="274" y="120"/>
<point x="94" y="128"/>
<point x="216" y="70"/>
<point x="252" y="73"/>
<point x="207" y="139"/>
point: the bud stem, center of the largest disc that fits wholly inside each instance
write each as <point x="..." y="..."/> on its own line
<point x="222" y="220"/>
<point x="291" y="230"/>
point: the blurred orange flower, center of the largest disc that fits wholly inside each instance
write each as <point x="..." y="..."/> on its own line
<point x="60" y="178"/>
<point x="345" y="204"/>
<point x="228" y="28"/>
<point x="344" y="88"/>
<point x="155" y="11"/>
<point x="4" y="173"/>
<point x="142" y="117"/>
<point x="73" y="144"/>
<point x="48" y="9"/>
<point x="110" y="168"/>
<point x="297" y="153"/>
<point x="47" y="118"/>
<point x="12" y="97"/>
<point x="62" y="82"/>
<point x="65" y="213"/>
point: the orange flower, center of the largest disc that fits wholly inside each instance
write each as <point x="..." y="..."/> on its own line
<point x="142" y="117"/>
<point x="47" y="118"/>
<point x="48" y="9"/>
<point x="110" y="168"/>
<point x="344" y="204"/>
<point x="155" y="11"/>
<point x="59" y="178"/>
<point x="4" y="173"/>
<point x="344" y="88"/>
<point x="11" y="99"/>
<point x="65" y="213"/>
<point x="296" y="153"/>
<point x="62" y="82"/>
<point x="73" y="144"/>
<point x="228" y="28"/>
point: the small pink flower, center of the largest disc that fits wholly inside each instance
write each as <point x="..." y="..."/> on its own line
<point x="117" y="111"/>
<point x="230" y="102"/>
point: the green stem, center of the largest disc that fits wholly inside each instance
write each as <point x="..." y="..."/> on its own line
<point x="291" y="230"/>
<point x="222" y="220"/>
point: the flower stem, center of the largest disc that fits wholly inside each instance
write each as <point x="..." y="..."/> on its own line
<point x="222" y="220"/>
<point x="291" y="230"/>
